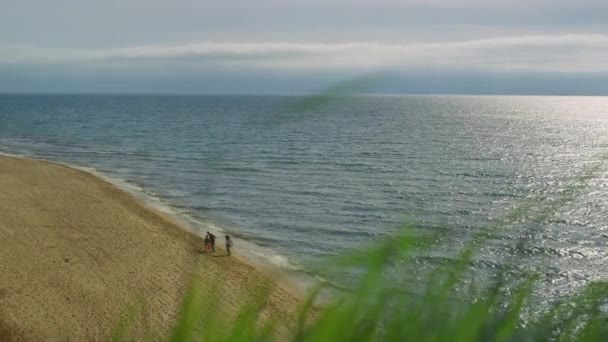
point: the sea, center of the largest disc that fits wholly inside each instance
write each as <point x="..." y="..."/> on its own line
<point x="299" y="180"/>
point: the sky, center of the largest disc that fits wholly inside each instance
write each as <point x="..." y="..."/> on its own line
<point x="303" y="46"/>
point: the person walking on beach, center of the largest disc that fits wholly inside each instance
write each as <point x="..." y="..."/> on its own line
<point x="228" y="244"/>
<point x="207" y="244"/>
<point x="212" y="241"/>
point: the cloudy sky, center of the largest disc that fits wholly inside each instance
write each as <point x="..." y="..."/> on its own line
<point x="296" y="46"/>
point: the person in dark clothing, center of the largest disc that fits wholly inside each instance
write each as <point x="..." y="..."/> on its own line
<point x="207" y="244"/>
<point x="212" y="241"/>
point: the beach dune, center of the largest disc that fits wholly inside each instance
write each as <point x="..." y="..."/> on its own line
<point x="76" y="252"/>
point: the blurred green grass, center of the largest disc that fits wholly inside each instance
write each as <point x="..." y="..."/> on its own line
<point x="374" y="310"/>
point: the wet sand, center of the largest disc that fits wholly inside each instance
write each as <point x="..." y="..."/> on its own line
<point x="76" y="252"/>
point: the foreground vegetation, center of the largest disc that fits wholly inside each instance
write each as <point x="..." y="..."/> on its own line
<point x="444" y="306"/>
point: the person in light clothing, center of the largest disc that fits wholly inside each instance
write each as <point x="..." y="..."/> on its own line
<point x="228" y="244"/>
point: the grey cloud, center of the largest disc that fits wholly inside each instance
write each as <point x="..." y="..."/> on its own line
<point x="85" y="23"/>
<point x="148" y="44"/>
<point x="563" y="53"/>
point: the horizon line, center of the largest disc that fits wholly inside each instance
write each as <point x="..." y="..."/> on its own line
<point x="300" y="94"/>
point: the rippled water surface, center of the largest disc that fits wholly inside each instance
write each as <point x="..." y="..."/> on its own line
<point x="351" y="171"/>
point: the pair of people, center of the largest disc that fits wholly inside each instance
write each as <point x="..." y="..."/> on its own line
<point x="210" y="243"/>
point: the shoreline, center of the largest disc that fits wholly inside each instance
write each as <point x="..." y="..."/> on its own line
<point x="291" y="277"/>
<point x="117" y="243"/>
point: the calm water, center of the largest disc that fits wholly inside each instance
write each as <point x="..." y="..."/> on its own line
<point x="344" y="174"/>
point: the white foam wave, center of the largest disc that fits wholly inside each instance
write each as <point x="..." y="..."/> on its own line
<point x="12" y="155"/>
<point x="244" y="248"/>
<point x="274" y="259"/>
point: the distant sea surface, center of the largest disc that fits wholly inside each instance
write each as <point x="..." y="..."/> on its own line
<point x="304" y="182"/>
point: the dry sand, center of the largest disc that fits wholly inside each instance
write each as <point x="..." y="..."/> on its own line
<point x="76" y="253"/>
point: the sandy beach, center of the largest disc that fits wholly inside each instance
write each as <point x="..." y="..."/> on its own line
<point x="77" y="252"/>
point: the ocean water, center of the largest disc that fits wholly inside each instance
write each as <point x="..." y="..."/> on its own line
<point x="306" y="184"/>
